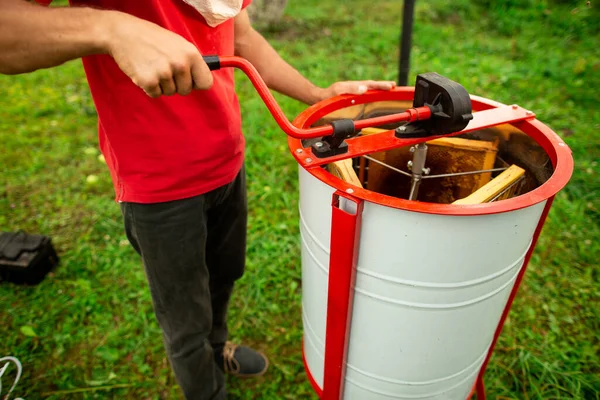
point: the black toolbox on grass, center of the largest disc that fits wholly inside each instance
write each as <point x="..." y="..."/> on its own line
<point x="25" y="258"/>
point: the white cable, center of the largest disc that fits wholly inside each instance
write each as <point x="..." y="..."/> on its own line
<point x="16" y="361"/>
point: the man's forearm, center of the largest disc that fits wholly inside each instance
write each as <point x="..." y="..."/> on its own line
<point x="157" y="60"/>
<point x="34" y="37"/>
<point x="277" y="74"/>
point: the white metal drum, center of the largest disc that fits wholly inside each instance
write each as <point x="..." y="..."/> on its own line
<point x="430" y="290"/>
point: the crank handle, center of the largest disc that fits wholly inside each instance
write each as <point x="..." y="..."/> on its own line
<point x="410" y="115"/>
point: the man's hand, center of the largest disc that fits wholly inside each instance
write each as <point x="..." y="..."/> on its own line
<point x="352" y="87"/>
<point x="157" y="60"/>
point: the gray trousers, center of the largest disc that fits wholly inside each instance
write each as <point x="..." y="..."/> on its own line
<point x="193" y="250"/>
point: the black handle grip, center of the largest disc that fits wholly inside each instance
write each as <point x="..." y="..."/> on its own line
<point x="213" y="62"/>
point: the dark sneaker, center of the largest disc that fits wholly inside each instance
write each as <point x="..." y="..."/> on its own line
<point x="241" y="361"/>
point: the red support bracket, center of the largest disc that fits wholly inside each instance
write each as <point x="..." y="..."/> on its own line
<point x="345" y="237"/>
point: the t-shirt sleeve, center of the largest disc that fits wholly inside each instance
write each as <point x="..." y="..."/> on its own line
<point x="245" y="4"/>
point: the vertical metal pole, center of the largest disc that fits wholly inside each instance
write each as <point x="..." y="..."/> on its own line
<point x="345" y="237"/>
<point x="406" y="41"/>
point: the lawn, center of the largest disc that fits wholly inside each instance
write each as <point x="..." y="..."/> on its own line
<point x="88" y="331"/>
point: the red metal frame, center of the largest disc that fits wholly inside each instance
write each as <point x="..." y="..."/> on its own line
<point x="480" y="388"/>
<point x="345" y="237"/>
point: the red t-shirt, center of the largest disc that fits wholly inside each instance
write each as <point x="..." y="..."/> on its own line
<point x="174" y="147"/>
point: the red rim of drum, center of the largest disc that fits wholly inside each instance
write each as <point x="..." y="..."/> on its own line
<point x="553" y="145"/>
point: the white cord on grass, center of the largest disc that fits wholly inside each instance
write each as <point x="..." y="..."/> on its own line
<point x="16" y="361"/>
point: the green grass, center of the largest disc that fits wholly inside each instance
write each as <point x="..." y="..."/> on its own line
<point x="92" y="321"/>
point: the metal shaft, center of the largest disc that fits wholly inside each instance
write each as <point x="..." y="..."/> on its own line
<point x="418" y="169"/>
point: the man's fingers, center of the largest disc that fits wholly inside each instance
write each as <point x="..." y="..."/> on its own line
<point x="150" y="86"/>
<point x="358" y="87"/>
<point x="350" y="88"/>
<point x="170" y="83"/>
<point x="201" y="75"/>
<point x="380" y="85"/>
<point x="361" y="87"/>
<point x="389" y="85"/>
<point x="167" y="86"/>
<point x="153" y="92"/>
<point x="183" y="81"/>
